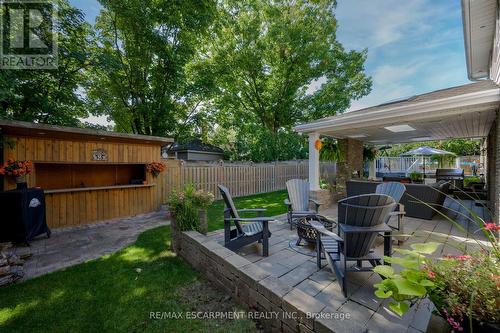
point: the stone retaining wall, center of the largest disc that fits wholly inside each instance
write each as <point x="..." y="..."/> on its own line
<point x="254" y="288"/>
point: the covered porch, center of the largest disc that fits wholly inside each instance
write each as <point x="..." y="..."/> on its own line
<point x="468" y="111"/>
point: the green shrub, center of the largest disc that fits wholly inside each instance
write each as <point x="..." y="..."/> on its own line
<point x="416" y="176"/>
<point x="473" y="179"/>
<point x="185" y="205"/>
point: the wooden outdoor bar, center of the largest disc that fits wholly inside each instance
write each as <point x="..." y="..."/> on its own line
<point x="87" y="175"/>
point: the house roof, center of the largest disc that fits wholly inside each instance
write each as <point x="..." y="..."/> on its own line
<point x="479" y="23"/>
<point x="464" y="111"/>
<point x="22" y="128"/>
<point x="196" y="145"/>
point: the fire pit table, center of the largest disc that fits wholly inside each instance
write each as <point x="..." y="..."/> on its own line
<point x="306" y="232"/>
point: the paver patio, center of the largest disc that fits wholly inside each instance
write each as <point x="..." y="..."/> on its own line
<point x="71" y="246"/>
<point x="299" y="271"/>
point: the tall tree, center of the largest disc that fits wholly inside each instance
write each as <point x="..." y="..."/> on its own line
<point x="279" y="62"/>
<point x="52" y="96"/>
<point x="143" y="48"/>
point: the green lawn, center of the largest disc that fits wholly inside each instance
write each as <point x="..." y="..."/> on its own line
<point x="117" y="293"/>
<point x="272" y="201"/>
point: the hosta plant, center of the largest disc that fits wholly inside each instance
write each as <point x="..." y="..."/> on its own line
<point x="411" y="283"/>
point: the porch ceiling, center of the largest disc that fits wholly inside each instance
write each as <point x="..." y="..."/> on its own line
<point x="459" y="113"/>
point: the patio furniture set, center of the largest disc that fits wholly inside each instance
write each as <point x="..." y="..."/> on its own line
<point x="361" y="219"/>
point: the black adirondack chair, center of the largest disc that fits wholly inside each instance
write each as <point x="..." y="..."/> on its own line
<point x="361" y="218"/>
<point x="396" y="191"/>
<point x="247" y="230"/>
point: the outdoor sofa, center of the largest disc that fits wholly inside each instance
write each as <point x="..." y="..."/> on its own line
<point x="413" y="199"/>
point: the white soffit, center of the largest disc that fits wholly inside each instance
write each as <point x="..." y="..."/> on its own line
<point x="479" y="22"/>
<point x="462" y="116"/>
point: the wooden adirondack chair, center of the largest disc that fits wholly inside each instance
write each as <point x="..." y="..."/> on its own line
<point x="361" y="218"/>
<point x="396" y="191"/>
<point x="254" y="230"/>
<point x="298" y="200"/>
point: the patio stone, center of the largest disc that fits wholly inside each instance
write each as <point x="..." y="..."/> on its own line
<point x="310" y="287"/>
<point x="253" y="274"/>
<point x="328" y="325"/>
<point x="273" y="269"/>
<point x="273" y="289"/>
<point x="298" y="274"/>
<point x="366" y="295"/>
<point x="237" y="261"/>
<point x="357" y="312"/>
<point x="332" y="296"/>
<point x="323" y="276"/>
<point x="301" y="302"/>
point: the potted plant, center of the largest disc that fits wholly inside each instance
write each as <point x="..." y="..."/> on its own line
<point x="155" y="168"/>
<point x="185" y="209"/>
<point x="18" y="170"/>
<point x="202" y="200"/>
<point x="416" y="177"/>
<point x="465" y="289"/>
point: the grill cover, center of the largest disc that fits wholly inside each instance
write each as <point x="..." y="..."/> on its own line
<point x="22" y="215"/>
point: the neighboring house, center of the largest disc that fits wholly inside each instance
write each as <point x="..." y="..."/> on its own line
<point x="195" y="150"/>
<point x="468" y="111"/>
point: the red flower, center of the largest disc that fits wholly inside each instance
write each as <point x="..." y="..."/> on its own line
<point x="431" y="275"/>
<point x="460" y="257"/>
<point x="491" y="226"/>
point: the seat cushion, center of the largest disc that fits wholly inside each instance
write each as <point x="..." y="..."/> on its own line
<point x="252" y="228"/>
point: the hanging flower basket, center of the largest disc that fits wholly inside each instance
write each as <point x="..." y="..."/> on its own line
<point x="155" y="168"/>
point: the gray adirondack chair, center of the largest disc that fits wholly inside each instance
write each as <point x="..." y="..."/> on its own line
<point x="298" y="200"/>
<point x="396" y="191"/>
<point x="247" y="230"/>
<point x="361" y="218"/>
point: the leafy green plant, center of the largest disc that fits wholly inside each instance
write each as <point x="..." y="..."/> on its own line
<point x="369" y="153"/>
<point x="185" y="205"/>
<point x="330" y="150"/>
<point x="411" y="283"/>
<point x="416" y="176"/>
<point x="473" y="179"/>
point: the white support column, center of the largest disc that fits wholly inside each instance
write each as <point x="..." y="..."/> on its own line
<point x="372" y="171"/>
<point x="313" y="162"/>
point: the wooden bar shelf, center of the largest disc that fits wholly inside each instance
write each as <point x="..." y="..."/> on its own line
<point x="96" y="188"/>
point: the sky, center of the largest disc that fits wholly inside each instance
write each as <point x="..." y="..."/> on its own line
<point x="414" y="46"/>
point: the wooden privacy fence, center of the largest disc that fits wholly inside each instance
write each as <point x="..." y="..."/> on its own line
<point x="241" y="178"/>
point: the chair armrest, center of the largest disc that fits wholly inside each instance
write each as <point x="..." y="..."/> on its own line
<point x="400" y="210"/>
<point x="257" y="210"/>
<point x="321" y="229"/>
<point x="252" y="219"/>
<point x="317" y="203"/>
<point x="303" y="213"/>
<point x="350" y="229"/>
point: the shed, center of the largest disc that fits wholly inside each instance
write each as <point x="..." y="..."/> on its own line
<point x="196" y="150"/>
<point x="87" y="175"/>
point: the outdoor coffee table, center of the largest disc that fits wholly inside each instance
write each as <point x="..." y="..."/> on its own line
<point x="306" y="232"/>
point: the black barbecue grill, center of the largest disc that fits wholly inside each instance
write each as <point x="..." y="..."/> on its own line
<point x="454" y="176"/>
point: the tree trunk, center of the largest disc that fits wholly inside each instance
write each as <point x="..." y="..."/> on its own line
<point x="175" y="234"/>
<point x="202" y="213"/>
